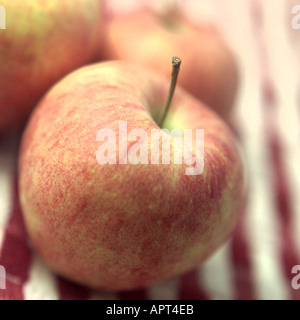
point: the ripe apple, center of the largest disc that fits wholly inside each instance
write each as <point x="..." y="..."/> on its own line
<point x="43" y="41"/>
<point x="118" y="225"/>
<point x="210" y="71"/>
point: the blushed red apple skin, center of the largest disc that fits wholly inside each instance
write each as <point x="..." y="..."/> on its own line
<point x="43" y="41"/>
<point x="209" y="68"/>
<point x="120" y="227"/>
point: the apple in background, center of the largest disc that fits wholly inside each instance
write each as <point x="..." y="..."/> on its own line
<point x="124" y="226"/>
<point x="210" y="71"/>
<point x="43" y="41"/>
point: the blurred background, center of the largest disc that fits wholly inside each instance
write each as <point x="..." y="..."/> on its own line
<point x="257" y="262"/>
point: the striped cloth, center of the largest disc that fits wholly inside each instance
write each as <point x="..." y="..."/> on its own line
<point x="258" y="260"/>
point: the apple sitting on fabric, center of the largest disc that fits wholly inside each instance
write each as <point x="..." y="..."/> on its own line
<point x="43" y="41"/>
<point x="210" y="70"/>
<point x="116" y="222"/>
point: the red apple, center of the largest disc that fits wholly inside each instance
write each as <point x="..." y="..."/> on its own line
<point x="118" y="225"/>
<point x="210" y="71"/>
<point x="43" y="41"/>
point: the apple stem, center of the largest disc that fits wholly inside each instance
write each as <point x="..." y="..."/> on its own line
<point x="176" y="62"/>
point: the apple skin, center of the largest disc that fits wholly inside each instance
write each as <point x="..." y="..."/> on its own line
<point x="209" y="69"/>
<point x="120" y="227"/>
<point x="43" y="41"/>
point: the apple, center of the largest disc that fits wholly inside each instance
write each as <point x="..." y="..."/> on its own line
<point x="117" y="220"/>
<point x="43" y="41"/>
<point x="210" y="70"/>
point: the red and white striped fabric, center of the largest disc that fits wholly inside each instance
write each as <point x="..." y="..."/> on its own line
<point x="257" y="262"/>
